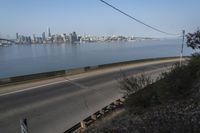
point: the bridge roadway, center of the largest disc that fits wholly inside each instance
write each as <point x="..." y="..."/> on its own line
<point x="54" y="105"/>
<point x="8" y="40"/>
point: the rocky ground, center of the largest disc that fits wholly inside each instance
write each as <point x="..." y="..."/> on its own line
<point x="179" y="117"/>
<point x="169" y="105"/>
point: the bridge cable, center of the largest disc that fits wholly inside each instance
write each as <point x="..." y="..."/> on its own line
<point x="137" y="20"/>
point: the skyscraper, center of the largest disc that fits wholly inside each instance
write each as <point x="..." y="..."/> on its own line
<point x="49" y="32"/>
<point x="73" y="37"/>
<point x="17" y="36"/>
<point x="43" y="36"/>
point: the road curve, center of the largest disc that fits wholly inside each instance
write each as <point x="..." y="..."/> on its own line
<point x="55" y="107"/>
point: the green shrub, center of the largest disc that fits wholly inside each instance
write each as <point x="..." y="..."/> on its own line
<point x="142" y="99"/>
<point x="177" y="82"/>
<point x="132" y="84"/>
<point x="194" y="65"/>
<point x="171" y="86"/>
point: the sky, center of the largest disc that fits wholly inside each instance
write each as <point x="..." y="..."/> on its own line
<point x="92" y="17"/>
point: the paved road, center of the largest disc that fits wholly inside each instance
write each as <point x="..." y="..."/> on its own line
<point x="54" y="108"/>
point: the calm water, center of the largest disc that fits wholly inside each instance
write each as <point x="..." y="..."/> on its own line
<point x="18" y="60"/>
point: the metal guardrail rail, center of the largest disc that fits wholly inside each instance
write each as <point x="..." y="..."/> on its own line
<point x="79" y="127"/>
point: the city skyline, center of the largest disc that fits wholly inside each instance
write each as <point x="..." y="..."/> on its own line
<point x="49" y="38"/>
<point x="93" y="18"/>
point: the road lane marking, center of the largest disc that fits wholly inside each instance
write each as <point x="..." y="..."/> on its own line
<point x="57" y="82"/>
<point x="56" y="99"/>
<point x="35" y="105"/>
<point x="35" y="87"/>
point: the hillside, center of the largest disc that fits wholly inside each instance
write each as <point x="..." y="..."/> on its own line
<point x="169" y="105"/>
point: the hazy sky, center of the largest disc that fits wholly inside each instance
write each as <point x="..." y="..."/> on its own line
<point x="91" y="17"/>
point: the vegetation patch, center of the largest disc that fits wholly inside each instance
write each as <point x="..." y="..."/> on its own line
<point x="170" y="104"/>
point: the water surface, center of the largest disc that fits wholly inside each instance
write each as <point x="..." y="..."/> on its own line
<point x="18" y="59"/>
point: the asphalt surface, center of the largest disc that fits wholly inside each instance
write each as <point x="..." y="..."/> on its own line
<point x="57" y="107"/>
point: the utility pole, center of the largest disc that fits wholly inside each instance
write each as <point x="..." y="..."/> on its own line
<point x="181" y="55"/>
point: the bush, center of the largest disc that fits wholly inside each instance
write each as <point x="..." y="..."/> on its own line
<point x="194" y="65"/>
<point x="174" y="85"/>
<point x="132" y="84"/>
<point x="145" y="98"/>
<point x="177" y="82"/>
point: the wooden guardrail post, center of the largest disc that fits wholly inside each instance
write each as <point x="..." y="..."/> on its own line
<point x="101" y="112"/>
<point x="94" y="117"/>
<point x="83" y="124"/>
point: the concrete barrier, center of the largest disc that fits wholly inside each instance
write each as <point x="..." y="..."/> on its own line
<point x="45" y="75"/>
<point x="138" y="61"/>
<point x="74" y="71"/>
<point x="38" y="76"/>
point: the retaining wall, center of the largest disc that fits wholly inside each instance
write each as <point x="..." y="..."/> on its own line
<point x="45" y="75"/>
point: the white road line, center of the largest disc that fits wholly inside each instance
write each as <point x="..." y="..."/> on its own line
<point x="31" y="88"/>
<point x="48" y="84"/>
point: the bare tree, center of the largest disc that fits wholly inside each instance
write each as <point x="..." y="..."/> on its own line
<point x="131" y="84"/>
<point x="193" y="40"/>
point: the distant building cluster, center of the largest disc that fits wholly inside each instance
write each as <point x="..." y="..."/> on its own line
<point x="43" y="39"/>
<point x="103" y="38"/>
<point x="68" y="38"/>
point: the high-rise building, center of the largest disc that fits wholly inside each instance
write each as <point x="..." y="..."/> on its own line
<point x="43" y="36"/>
<point x="73" y="37"/>
<point x="49" y="32"/>
<point x="34" y="38"/>
<point x="17" y="36"/>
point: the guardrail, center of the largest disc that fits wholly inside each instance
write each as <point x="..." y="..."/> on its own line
<point x="82" y="125"/>
<point x="46" y="75"/>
